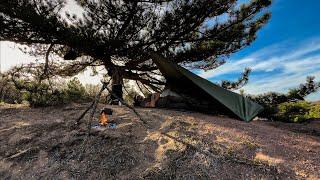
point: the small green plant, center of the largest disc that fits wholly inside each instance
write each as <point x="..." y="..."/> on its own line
<point x="45" y="97"/>
<point x="295" y="112"/>
<point x="40" y="94"/>
<point x="300" y="107"/>
<point x="314" y="112"/>
<point x="75" y="91"/>
<point x="8" y="92"/>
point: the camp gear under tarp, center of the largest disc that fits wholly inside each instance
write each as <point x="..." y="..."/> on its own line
<point x="168" y="92"/>
<point x="205" y="94"/>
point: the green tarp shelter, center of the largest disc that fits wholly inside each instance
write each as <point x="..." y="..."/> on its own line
<point x="205" y="94"/>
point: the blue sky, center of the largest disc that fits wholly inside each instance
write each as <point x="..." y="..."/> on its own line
<point x="286" y="51"/>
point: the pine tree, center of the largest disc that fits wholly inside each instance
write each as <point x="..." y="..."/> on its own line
<point x="120" y="34"/>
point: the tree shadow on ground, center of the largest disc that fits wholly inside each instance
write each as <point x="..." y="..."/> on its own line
<point x="172" y="147"/>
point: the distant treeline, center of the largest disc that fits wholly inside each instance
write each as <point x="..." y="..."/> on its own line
<point x="27" y="84"/>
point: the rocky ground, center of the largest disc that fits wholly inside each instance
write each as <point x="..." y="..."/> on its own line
<point x="44" y="143"/>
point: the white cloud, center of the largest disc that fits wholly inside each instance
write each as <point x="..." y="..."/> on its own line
<point x="276" y="68"/>
<point x="266" y="59"/>
<point x="278" y="83"/>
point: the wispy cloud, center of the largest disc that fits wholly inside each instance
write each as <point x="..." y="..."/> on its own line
<point x="275" y="68"/>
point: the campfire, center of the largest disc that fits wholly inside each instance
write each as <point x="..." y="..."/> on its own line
<point x="105" y="116"/>
<point x="105" y="120"/>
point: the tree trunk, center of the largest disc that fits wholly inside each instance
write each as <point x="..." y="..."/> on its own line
<point x="117" y="83"/>
<point x="4" y="83"/>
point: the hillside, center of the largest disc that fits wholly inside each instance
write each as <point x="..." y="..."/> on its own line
<point x="44" y="142"/>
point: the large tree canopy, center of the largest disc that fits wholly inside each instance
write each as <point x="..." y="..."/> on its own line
<point x="120" y="34"/>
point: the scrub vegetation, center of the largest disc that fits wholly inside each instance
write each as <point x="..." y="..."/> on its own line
<point x="290" y="107"/>
<point x="45" y="93"/>
<point x="20" y="86"/>
<point x="48" y="120"/>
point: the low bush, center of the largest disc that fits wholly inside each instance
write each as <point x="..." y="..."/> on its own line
<point x="296" y="112"/>
<point x="42" y="99"/>
<point x="93" y="90"/>
<point x="41" y="94"/>
<point x="291" y="106"/>
<point x="75" y="91"/>
<point x="9" y="94"/>
<point x="46" y="96"/>
<point x="292" y="112"/>
<point x="314" y="112"/>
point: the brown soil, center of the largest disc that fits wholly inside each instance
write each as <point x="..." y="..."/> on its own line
<point x="45" y="143"/>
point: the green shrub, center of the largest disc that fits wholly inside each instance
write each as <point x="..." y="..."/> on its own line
<point x="46" y="98"/>
<point x="300" y="107"/>
<point x="42" y="94"/>
<point x="314" y="112"/>
<point x="296" y="112"/>
<point x="75" y="91"/>
<point x="9" y="94"/>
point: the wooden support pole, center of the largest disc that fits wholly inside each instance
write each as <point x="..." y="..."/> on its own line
<point x="130" y="107"/>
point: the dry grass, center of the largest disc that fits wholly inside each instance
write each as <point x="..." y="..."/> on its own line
<point x="44" y="143"/>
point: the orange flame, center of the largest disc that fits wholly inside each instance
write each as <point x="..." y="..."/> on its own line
<point x="103" y="120"/>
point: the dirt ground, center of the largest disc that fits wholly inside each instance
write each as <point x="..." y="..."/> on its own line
<point x="44" y="143"/>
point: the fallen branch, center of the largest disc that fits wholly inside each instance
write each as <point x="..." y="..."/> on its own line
<point x="21" y="153"/>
